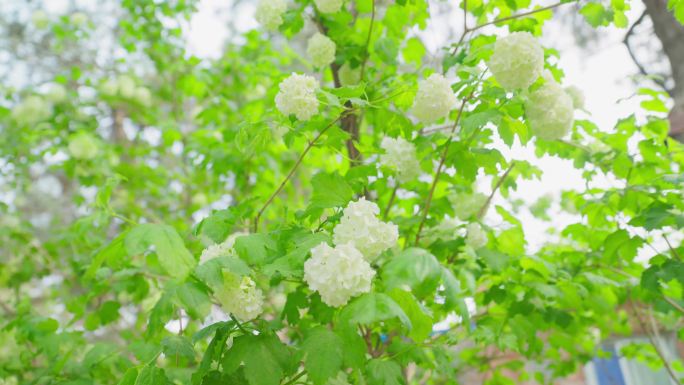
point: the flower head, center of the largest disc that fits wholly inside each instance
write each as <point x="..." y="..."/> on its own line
<point x="475" y="236"/>
<point x="466" y="205"/>
<point x="361" y="228"/>
<point x="400" y="155"/>
<point x="321" y="50"/>
<point x="577" y="96"/>
<point x="517" y="61"/>
<point x="549" y="111"/>
<point x="269" y="13"/>
<point x="434" y="99"/>
<point x="32" y="110"/>
<point x="222" y="249"/>
<point x="83" y="146"/>
<point x="349" y="76"/>
<point x="240" y="297"/>
<point x="338" y="273"/>
<point x="298" y="96"/>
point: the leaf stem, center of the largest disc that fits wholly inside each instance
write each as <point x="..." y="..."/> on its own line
<point x="295" y="378"/>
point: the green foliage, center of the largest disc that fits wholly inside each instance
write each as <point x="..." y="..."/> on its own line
<point x="191" y="185"/>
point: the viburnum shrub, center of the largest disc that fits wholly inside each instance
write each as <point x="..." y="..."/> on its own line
<point x="325" y="201"/>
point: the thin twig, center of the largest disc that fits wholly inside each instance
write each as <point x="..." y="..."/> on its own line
<point x="674" y="252"/>
<point x="674" y="304"/>
<point x="295" y="378"/>
<point x="368" y="39"/>
<point x="442" y="159"/>
<point x="294" y="168"/>
<point x="636" y="61"/>
<point x="467" y="30"/>
<point x="519" y="15"/>
<point x="391" y="201"/>
<point x="654" y="341"/>
<point x="484" y="207"/>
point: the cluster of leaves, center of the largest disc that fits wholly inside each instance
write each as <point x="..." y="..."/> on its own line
<point x="110" y="288"/>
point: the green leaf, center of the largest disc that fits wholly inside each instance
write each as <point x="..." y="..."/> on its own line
<point x="329" y="190"/>
<point x="129" y="377"/>
<point x="323" y="355"/>
<point x="194" y="299"/>
<point x="211" y="272"/>
<point x="152" y="375"/>
<point x="266" y="359"/>
<point x="596" y="14"/>
<point x="384" y="372"/>
<point x="115" y="250"/>
<point x="373" y="307"/>
<point x="253" y="248"/>
<point x="454" y="299"/>
<point x="173" y="346"/>
<point x="421" y="323"/>
<point x="174" y="258"/>
<point x="414" y="267"/>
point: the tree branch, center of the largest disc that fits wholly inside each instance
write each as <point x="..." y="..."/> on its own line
<point x="368" y="39"/>
<point x="467" y="30"/>
<point x="641" y="68"/>
<point x="655" y="341"/>
<point x="484" y="207"/>
<point x="294" y="168"/>
<point x="442" y="159"/>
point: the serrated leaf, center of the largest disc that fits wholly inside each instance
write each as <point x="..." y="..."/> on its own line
<point x="323" y="354"/>
<point x="174" y="257"/>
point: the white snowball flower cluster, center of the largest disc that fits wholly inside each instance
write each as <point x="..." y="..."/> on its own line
<point x="328" y="6"/>
<point x="240" y="297"/>
<point x="32" y="110"/>
<point x="349" y="76"/>
<point x="269" y="13"/>
<point x="321" y="50"/>
<point x="297" y="96"/>
<point x="400" y="155"/>
<point x="338" y="273"/>
<point x="361" y="228"/>
<point x="222" y="249"/>
<point x="577" y="96"/>
<point x="56" y="94"/>
<point x="517" y="61"/>
<point x="125" y="87"/>
<point x="549" y="111"/>
<point x="434" y="99"/>
<point x="83" y="146"/>
<point x="475" y="236"/>
<point x="466" y="205"/>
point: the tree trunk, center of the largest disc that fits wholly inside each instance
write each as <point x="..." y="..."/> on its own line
<point x="671" y="34"/>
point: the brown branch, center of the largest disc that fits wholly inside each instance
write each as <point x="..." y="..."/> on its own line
<point x="654" y="341"/>
<point x="368" y="39"/>
<point x="442" y="159"/>
<point x="294" y="168"/>
<point x="636" y="61"/>
<point x="467" y="30"/>
<point x="391" y="201"/>
<point x="673" y="304"/>
<point x="484" y="207"/>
